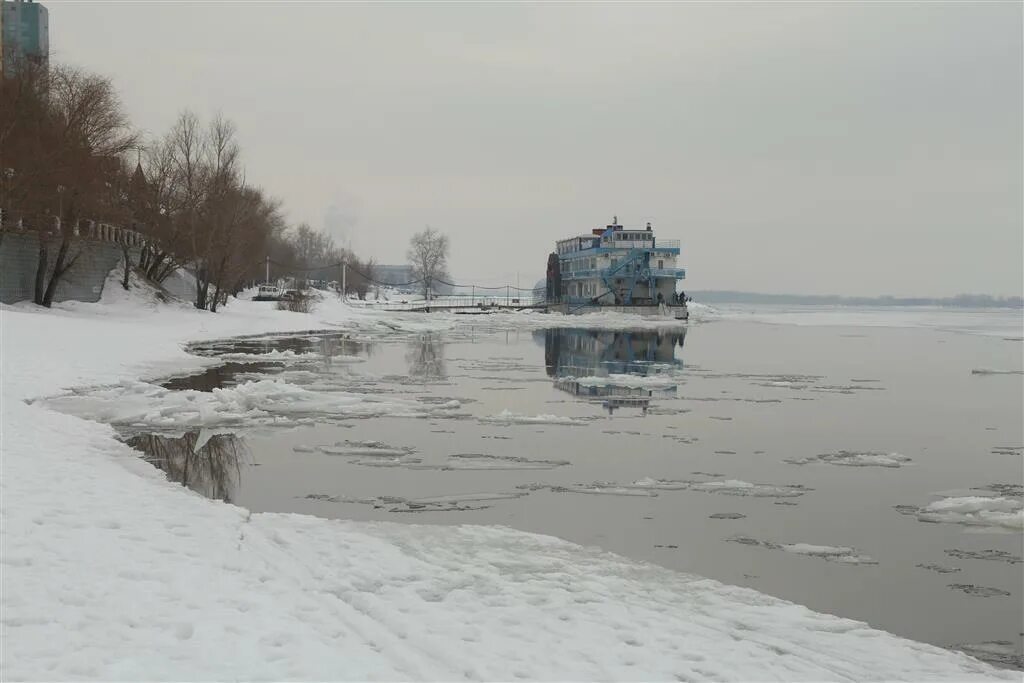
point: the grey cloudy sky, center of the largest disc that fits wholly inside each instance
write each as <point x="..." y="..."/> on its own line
<point x="792" y="147"/>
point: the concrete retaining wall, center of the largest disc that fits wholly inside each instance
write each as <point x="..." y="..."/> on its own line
<point x="19" y="256"/>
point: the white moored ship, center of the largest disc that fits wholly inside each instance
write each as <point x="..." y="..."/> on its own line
<point x="615" y="268"/>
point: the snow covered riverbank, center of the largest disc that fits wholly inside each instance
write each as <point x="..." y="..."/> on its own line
<point x="111" y="572"/>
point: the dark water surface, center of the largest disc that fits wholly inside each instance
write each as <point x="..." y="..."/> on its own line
<point x="733" y="454"/>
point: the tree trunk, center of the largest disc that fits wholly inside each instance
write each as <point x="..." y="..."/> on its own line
<point x="169" y="267"/>
<point x="154" y="265"/>
<point x="41" y="267"/>
<point x="60" y="266"/>
<point x="202" y="288"/>
<point x="127" y="265"/>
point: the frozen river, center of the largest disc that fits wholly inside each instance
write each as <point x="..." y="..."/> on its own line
<point x="870" y="472"/>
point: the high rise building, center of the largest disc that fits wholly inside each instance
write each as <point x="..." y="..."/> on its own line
<point x="24" y="35"/>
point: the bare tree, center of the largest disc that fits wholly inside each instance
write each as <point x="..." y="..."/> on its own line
<point x="428" y="254"/>
<point x="360" y="276"/>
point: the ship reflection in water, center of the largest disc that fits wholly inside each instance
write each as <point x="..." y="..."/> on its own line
<point x="625" y="369"/>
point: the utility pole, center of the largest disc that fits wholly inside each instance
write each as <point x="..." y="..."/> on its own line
<point x="268" y="269"/>
<point x="506" y="296"/>
<point x="344" y="277"/>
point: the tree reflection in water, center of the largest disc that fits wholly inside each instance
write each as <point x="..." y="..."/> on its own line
<point x="210" y="466"/>
<point x="426" y="358"/>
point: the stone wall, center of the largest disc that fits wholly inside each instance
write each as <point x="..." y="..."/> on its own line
<point x="19" y="256"/>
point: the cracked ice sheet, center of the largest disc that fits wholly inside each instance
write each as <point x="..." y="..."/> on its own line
<point x="111" y="572"/>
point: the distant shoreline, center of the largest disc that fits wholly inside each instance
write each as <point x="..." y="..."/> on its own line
<point x="713" y="296"/>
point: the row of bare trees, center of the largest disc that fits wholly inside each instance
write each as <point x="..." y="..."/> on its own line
<point x="314" y="256"/>
<point x="63" y="137"/>
<point x="68" y="152"/>
<point x="190" y="197"/>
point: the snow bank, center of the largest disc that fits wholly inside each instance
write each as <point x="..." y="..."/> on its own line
<point x="110" y="572"/>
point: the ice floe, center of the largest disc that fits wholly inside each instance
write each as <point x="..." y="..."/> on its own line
<point x="482" y="461"/>
<point x="854" y="459"/>
<point x="650" y="487"/>
<point x="994" y="555"/>
<point x="449" y="503"/>
<point x="507" y="417"/>
<point x="979" y="591"/>
<point x="840" y="554"/>
<point x="938" y="568"/>
<point x="993" y="512"/>
<point x="144" y="405"/>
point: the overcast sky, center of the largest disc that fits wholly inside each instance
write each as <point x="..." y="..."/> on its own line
<point x="792" y="147"/>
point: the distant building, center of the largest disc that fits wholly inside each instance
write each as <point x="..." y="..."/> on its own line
<point x="396" y="276"/>
<point x="399" y="277"/>
<point x="24" y="35"/>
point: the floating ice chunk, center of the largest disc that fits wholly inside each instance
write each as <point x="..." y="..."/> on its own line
<point x="841" y="554"/>
<point x="940" y="568"/>
<point x="988" y="371"/>
<point x="726" y="515"/>
<point x="357" y="449"/>
<point x="996" y="555"/>
<point x="854" y="459"/>
<point x="481" y="461"/>
<point x="997" y="512"/>
<point x="650" y="487"/>
<point x="507" y="417"/>
<point x="831" y="553"/>
<point x="451" y="503"/>
<point x="287" y="356"/>
<point x="596" y="488"/>
<point x="980" y="591"/>
<point x="736" y="487"/>
<point x="661" y="484"/>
